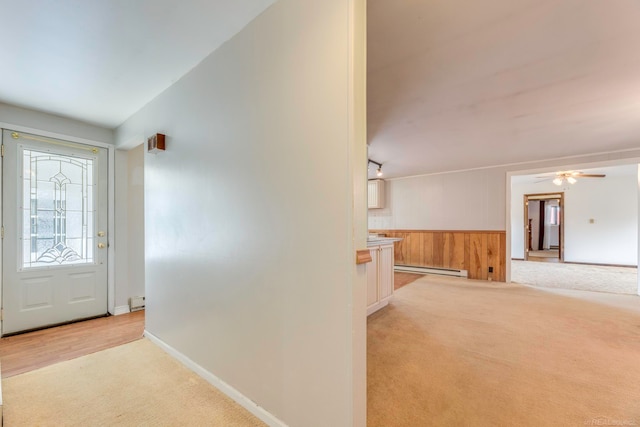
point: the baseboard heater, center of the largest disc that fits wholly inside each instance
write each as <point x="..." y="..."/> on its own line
<point x="432" y="270"/>
<point x="136" y="303"/>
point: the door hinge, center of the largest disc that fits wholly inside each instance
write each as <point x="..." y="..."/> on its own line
<point x="1" y="313"/>
<point x="2" y="232"/>
<point x="2" y="150"/>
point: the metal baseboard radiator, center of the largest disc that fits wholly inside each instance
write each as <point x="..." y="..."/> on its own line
<point x="432" y="270"/>
<point x="136" y="303"/>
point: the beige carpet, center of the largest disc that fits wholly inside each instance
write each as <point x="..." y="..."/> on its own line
<point x="617" y="280"/>
<point x="136" y="384"/>
<point x="452" y="352"/>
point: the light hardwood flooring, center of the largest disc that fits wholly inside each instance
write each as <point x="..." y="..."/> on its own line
<point x="401" y="279"/>
<point x="33" y="350"/>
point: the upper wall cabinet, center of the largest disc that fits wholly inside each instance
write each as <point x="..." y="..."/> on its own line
<point x="376" y="194"/>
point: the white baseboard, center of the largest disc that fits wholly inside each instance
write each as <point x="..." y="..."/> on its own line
<point x="121" y="309"/>
<point x="432" y="270"/>
<point x="225" y="388"/>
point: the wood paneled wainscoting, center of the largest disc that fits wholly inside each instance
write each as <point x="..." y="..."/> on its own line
<point x="472" y="250"/>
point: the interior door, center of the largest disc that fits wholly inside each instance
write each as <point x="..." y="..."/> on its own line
<point x="54" y="246"/>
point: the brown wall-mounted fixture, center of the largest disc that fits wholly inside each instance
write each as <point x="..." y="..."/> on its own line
<point x="155" y="143"/>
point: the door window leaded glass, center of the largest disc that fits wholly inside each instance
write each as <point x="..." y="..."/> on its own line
<point x="57" y="210"/>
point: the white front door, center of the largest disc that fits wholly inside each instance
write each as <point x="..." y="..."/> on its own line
<point x="54" y="249"/>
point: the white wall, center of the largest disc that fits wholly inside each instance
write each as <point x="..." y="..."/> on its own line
<point x="465" y="200"/>
<point x="471" y="200"/>
<point x="612" y="203"/>
<point x="61" y="126"/>
<point x="135" y="216"/>
<point x="121" y="239"/>
<point x="249" y="214"/>
<point x="129" y="239"/>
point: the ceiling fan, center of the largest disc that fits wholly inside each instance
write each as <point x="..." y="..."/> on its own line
<point x="571" y="176"/>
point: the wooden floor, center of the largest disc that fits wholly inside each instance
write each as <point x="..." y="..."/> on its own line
<point x="33" y="350"/>
<point x="401" y="279"/>
<point x="542" y="259"/>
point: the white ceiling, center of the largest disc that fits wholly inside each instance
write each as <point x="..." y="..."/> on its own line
<point x="629" y="171"/>
<point x="457" y="84"/>
<point x="101" y="61"/>
<point x="452" y="84"/>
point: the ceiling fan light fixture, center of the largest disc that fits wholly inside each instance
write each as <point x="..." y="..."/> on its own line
<point x="558" y="181"/>
<point x="571" y="180"/>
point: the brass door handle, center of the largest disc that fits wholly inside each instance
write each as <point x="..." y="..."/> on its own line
<point x="101" y="245"/>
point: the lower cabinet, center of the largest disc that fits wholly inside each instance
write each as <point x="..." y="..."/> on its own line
<point x="379" y="277"/>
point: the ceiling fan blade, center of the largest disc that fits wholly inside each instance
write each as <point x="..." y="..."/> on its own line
<point x="590" y="175"/>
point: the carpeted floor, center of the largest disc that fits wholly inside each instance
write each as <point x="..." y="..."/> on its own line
<point x="454" y="352"/>
<point x="584" y="277"/>
<point x="135" y="384"/>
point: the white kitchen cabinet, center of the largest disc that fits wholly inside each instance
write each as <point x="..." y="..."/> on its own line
<point x="379" y="277"/>
<point x="376" y="194"/>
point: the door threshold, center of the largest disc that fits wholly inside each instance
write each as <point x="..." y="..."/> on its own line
<point x="55" y="325"/>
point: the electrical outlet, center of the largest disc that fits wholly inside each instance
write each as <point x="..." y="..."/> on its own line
<point x="490" y="269"/>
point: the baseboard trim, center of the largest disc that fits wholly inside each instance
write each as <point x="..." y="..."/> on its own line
<point x="601" y="265"/>
<point x="121" y="309"/>
<point x="225" y="388"/>
<point x="431" y="270"/>
<point x="587" y="263"/>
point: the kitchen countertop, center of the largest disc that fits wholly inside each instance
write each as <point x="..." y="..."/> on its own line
<point x="376" y="241"/>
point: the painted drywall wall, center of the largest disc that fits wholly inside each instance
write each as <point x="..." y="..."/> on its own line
<point x="62" y="126"/>
<point x="121" y="239"/>
<point x="135" y="216"/>
<point x="638" y="198"/>
<point x="250" y="245"/>
<point x="612" y="204"/>
<point x="129" y="239"/>
<point x="471" y="200"/>
<point x="465" y="200"/>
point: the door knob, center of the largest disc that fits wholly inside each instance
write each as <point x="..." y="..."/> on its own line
<point x="101" y="245"/>
<point x="100" y="233"/>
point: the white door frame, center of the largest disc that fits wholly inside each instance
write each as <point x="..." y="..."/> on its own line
<point x="111" y="300"/>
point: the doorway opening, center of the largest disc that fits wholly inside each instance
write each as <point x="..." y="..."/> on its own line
<point x="544" y="227"/>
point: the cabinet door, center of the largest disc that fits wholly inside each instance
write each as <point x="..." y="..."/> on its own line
<point x="372" y="278"/>
<point x="376" y="194"/>
<point x="385" y="271"/>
